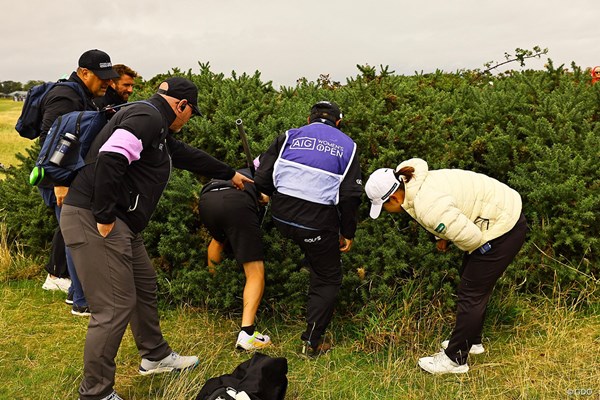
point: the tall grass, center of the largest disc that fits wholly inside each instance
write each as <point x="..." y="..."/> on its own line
<point x="14" y="264"/>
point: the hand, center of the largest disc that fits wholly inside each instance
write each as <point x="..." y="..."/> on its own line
<point x="345" y="244"/>
<point x="442" y="245"/>
<point x="263" y="199"/>
<point x="238" y="180"/>
<point x="60" y="192"/>
<point x="105" y="229"/>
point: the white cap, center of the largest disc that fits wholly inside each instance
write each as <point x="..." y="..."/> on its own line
<point x="379" y="187"/>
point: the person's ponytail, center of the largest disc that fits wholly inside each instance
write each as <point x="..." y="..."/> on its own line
<point x="406" y="172"/>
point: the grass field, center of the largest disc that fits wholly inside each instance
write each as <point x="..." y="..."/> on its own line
<point x="10" y="141"/>
<point x="549" y="350"/>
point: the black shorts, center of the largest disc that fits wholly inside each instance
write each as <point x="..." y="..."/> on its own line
<point x="231" y="216"/>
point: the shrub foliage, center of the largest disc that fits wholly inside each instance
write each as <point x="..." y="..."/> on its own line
<point x="537" y="131"/>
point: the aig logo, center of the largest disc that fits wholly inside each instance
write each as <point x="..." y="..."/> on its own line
<point x="303" y="143"/>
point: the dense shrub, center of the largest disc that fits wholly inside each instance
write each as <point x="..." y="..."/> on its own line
<point x="538" y="131"/>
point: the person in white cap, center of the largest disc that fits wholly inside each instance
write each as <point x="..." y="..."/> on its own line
<point x="480" y="215"/>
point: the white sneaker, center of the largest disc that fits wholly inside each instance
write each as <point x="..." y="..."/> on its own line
<point x="440" y="363"/>
<point x="475" y="348"/>
<point x="57" y="284"/>
<point x="252" y="342"/>
<point x="112" y="396"/>
<point x="172" y="362"/>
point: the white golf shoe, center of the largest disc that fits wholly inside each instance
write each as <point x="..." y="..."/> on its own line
<point x="440" y="363"/>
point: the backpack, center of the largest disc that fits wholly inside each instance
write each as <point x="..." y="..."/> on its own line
<point x="259" y="378"/>
<point x="29" y="124"/>
<point x="67" y="143"/>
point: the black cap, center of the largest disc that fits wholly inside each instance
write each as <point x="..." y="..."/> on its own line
<point x="99" y="63"/>
<point x="181" y="89"/>
<point x="327" y="110"/>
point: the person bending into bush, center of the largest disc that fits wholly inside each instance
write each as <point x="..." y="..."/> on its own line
<point x="480" y="215"/>
<point x="233" y="218"/>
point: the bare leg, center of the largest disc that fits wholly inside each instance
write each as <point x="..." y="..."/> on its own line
<point x="253" y="290"/>
<point x="215" y="255"/>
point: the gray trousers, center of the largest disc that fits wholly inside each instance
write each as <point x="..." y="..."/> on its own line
<point x="120" y="286"/>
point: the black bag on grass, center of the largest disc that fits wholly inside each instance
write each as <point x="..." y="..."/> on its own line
<point x="261" y="378"/>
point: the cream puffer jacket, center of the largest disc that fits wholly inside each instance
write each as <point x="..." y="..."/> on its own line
<point x="464" y="207"/>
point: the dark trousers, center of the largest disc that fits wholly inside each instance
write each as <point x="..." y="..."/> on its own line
<point x="120" y="286"/>
<point x="322" y="251"/>
<point x="57" y="265"/>
<point x="479" y="274"/>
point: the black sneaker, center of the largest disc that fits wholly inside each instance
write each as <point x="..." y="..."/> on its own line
<point x="81" y="311"/>
<point x="69" y="299"/>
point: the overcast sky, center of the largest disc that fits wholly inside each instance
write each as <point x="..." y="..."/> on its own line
<point x="287" y="40"/>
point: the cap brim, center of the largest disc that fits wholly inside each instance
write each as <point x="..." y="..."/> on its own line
<point x="195" y="110"/>
<point x="375" y="210"/>
<point x="105" y="73"/>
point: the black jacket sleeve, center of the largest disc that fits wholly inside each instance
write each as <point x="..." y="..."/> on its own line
<point x="195" y="160"/>
<point x="110" y="168"/>
<point x="350" y="198"/>
<point x="263" y="178"/>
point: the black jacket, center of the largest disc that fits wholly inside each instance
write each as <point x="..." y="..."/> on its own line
<point x="60" y="100"/>
<point x="111" y="98"/>
<point x="63" y="99"/>
<point x="249" y="188"/>
<point x="342" y="218"/>
<point x="111" y="187"/>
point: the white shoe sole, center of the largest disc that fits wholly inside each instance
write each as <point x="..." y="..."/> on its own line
<point x="252" y="347"/>
<point x="161" y="370"/>
<point x="156" y="371"/>
<point x="428" y="367"/>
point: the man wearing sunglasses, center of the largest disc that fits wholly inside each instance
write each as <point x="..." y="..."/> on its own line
<point x="109" y="204"/>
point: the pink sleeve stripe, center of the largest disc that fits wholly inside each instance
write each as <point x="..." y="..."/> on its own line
<point x="125" y="143"/>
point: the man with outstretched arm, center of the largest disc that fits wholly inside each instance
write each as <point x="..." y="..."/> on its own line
<point x="109" y="204"/>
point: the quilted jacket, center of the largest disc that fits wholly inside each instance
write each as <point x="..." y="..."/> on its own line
<point x="464" y="207"/>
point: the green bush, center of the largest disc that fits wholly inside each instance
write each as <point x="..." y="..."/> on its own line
<point x="538" y="131"/>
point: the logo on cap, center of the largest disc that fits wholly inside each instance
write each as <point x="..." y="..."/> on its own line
<point x="389" y="192"/>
